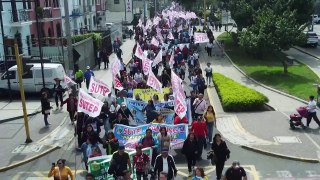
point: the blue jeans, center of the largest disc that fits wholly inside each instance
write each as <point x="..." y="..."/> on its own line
<point x="45" y="116"/>
<point x="210" y="130"/>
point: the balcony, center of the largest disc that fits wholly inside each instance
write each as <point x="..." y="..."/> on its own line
<point x="46" y="13"/>
<point x="76" y="12"/>
<point x="20" y="18"/>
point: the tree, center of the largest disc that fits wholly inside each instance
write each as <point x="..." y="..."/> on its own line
<point x="317" y="7"/>
<point x="272" y="32"/>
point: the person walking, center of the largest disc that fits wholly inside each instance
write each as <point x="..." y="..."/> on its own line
<point x="312" y="111"/>
<point x="58" y="91"/>
<point x="199" y="174"/>
<point x="111" y="143"/>
<point x="150" y="110"/>
<point x="208" y="71"/>
<point x="119" y="53"/>
<point x="105" y="58"/>
<point x="87" y="76"/>
<point x="45" y="108"/>
<point x="201" y="83"/>
<point x="141" y="163"/>
<point x="164" y="139"/>
<point x="210" y="117"/>
<point x="72" y="105"/>
<point x="235" y="172"/>
<point x="79" y="76"/>
<point x="209" y="47"/>
<point x="199" y="105"/>
<point x="200" y="130"/>
<point x="190" y="150"/>
<point x="80" y="118"/>
<point x="120" y="162"/>
<point x="165" y="163"/>
<point x="221" y="152"/>
<point x="61" y="171"/>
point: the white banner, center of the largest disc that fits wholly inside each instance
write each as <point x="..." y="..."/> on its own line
<point x="170" y="36"/>
<point x="154" y="82"/>
<point x="180" y="106"/>
<point x="128" y="5"/>
<point x="117" y="83"/>
<point x="68" y="80"/>
<point x="116" y="66"/>
<point x="89" y="105"/>
<point x="200" y="38"/>
<point x="146" y="65"/>
<point x="98" y="87"/>
<point x="157" y="59"/>
<point x="155" y="42"/>
<point x="139" y="52"/>
<point x="171" y="61"/>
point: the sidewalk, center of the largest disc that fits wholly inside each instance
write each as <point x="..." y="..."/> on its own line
<point x="265" y="132"/>
<point x="15" y="152"/>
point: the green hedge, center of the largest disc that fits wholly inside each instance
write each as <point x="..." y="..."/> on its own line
<point x="97" y="39"/>
<point x="236" y="97"/>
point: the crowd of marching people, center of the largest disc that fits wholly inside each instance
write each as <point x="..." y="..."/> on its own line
<point x="171" y="47"/>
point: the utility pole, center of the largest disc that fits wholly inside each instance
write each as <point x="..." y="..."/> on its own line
<point x="70" y="65"/>
<point x="144" y="12"/>
<point x="205" y="12"/>
<point x="125" y="10"/>
<point x="21" y="89"/>
<point x="5" y="55"/>
<point x="155" y="8"/>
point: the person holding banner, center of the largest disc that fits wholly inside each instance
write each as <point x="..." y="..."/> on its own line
<point x="141" y="162"/>
<point x="149" y="141"/>
<point x="119" y="163"/>
<point x="120" y="120"/>
<point x="111" y="143"/>
<point x="150" y="111"/>
<point x="125" y="112"/>
<point x="164" y="139"/>
<point x="159" y="119"/>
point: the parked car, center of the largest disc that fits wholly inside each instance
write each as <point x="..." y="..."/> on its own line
<point x="311" y="39"/>
<point x="32" y="77"/>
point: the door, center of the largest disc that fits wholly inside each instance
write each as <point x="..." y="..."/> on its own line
<point x="48" y="78"/>
<point x="12" y="78"/>
<point x="28" y="80"/>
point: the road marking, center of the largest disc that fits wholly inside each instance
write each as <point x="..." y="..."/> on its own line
<point x="287" y="139"/>
<point x="312" y="174"/>
<point x="284" y="174"/>
<point x="27" y="148"/>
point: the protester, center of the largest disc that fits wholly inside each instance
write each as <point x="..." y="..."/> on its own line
<point x="87" y="76"/>
<point x="80" y="118"/>
<point x="72" y="105"/>
<point x="200" y="131"/>
<point x="125" y="112"/>
<point x="58" y="90"/>
<point x="165" y="163"/>
<point x="208" y="71"/>
<point x="190" y="150"/>
<point x="61" y="171"/>
<point x="159" y="119"/>
<point x="90" y="133"/>
<point x="312" y="111"/>
<point x="120" y="120"/>
<point x="200" y="175"/>
<point x="45" y="108"/>
<point x="164" y="139"/>
<point x="199" y="105"/>
<point x="178" y="120"/>
<point x="221" y="152"/>
<point x="89" y="176"/>
<point x="150" y="141"/>
<point x="210" y="117"/>
<point x="78" y="76"/>
<point x="119" y="163"/>
<point x="150" y="111"/>
<point x="111" y="143"/>
<point x="141" y="163"/>
<point x="235" y="172"/>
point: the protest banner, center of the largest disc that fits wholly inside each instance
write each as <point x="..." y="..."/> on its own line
<point x="99" y="166"/>
<point x="170" y="36"/>
<point x="154" y="82"/>
<point x="98" y="87"/>
<point x="130" y="136"/>
<point x="157" y="59"/>
<point x="200" y="37"/>
<point x="171" y="61"/>
<point x="180" y="106"/>
<point x="88" y="104"/>
<point x="168" y="115"/>
<point x="68" y="80"/>
<point x="139" y="52"/>
<point x="116" y="66"/>
<point x="146" y="65"/>
<point x="154" y="41"/>
<point x="117" y="83"/>
<point x="147" y="94"/>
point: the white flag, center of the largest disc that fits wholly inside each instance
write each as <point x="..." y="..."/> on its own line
<point x="116" y="66"/>
<point x="88" y="104"/>
<point x="157" y="59"/>
<point x="171" y="61"/>
<point x="180" y="106"/>
<point x="200" y="37"/>
<point x="170" y="36"/>
<point x="146" y="65"/>
<point x="68" y="80"/>
<point x="154" y="82"/>
<point x="139" y="52"/>
<point x="98" y="87"/>
<point x="117" y="83"/>
<point x="155" y="42"/>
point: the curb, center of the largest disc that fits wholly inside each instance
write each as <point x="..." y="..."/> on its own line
<point x="11" y="166"/>
<point x="263" y="85"/>
<point x="303" y="51"/>
<point x="257" y="150"/>
<point x="18" y="117"/>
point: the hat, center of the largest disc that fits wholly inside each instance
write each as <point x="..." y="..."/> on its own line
<point x="121" y="147"/>
<point x="236" y="163"/>
<point x="165" y="149"/>
<point x="123" y="104"/>
<point x="88" y="67"/>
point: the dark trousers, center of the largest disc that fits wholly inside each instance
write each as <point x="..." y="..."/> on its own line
<point x="191" y="161"/>
<point x="87" y="83"/>
<point x="219" y="169"/>
<point x="79" y="132"/>
<point x="58" y="95"/>
<point x="45" y="118"/>
<point x="209" y="50"/>
<point x="106" y="64"/>
<point x="71" y="115"/>
<point x="315" y="118"/>
<point x="201" y="144"/>
<point x="141" y="175"/>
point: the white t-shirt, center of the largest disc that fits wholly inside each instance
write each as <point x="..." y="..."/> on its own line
<point x="208" y="69"/>
<point x="138" y="77"/>
<point x="312" y="106"/>
<point x="165" y="165"/>
<point x="196" y="56"/>
<point x="209" y="45"/>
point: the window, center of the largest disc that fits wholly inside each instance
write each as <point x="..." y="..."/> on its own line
<point x="27" y="72"/>
<point x="116" y="1"/>
<point x="9" y="74"/>
<point x="47" y="73"/>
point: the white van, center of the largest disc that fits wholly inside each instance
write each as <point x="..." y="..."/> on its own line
<point x="32" y="78"/>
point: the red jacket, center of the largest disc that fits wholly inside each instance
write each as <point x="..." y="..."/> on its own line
<point x="199" y="128"/>
<point x="75" y="104"/>
<point x="178" y="120"/>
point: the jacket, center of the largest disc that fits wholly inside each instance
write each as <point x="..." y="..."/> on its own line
<point x="221" y="151"/>
<point x="189" y="148"/>
<point x="68" y="101"/>
<point x="112" y="146"/>
<point x="145" y="144"/>
<point x="45" y="105"/>
<point x="158" y="166"/>
<point x="178" y="120"/>
<point x="199" y="128"/>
